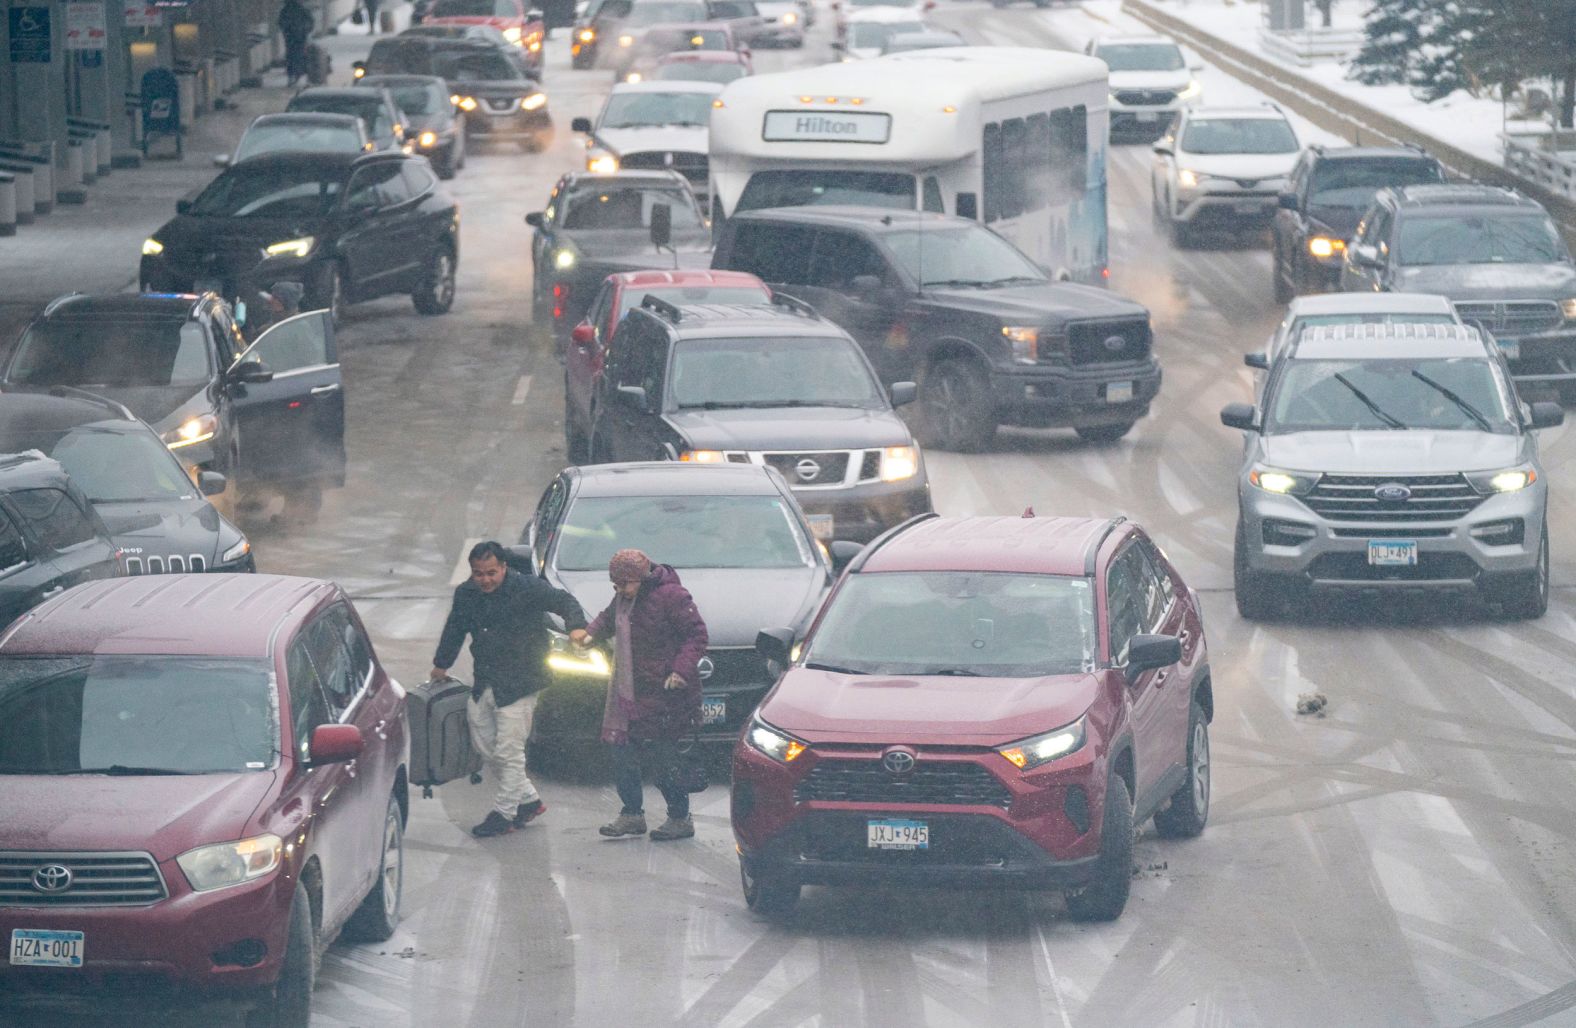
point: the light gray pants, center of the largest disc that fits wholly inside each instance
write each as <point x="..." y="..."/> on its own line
<point x="499" y="734"/>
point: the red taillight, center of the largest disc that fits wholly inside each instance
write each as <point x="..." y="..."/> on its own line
<point x="560" y="292"/>
<point x="1105" y="272"/>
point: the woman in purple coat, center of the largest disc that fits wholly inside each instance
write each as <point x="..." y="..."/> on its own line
<point x="653" y="698"/>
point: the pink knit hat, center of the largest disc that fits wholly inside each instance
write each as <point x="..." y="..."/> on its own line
<point x="628" y="566"/>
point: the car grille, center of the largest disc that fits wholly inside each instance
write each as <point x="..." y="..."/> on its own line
<point x="1090" y="342"/>
<point x="692" y="166"/>
<point x="502" y="105"/>
<point x="174" y="564"/>
<point x="1354" y="567"/>
<point x="1145" y="97"/>
<point x="810" y="470"/>
<point x="1512" y="318"/>
<point x="95" y="880"/>
<point x="949" y="782"/>
<point x="736" y="667"/>
<point x="1351" y="498"/>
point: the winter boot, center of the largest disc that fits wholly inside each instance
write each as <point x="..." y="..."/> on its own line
<point x="674" y="828"/>
<point x="625" y="824"/>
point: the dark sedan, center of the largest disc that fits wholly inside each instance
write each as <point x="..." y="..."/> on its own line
<point x="162" y="522"/>
<point x="347" y="228"/>
<point x="598" y="225"/>
<point x="433" y="125"/>
<point x="737" y="538"/>
<point x="500" y="103"/>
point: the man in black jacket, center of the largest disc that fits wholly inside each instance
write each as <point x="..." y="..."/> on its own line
<point x="504" y="612"/>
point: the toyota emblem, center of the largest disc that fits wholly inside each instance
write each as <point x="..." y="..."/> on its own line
<point x="704" y="667"/>
<point x="807" y="470"/>
<point x="52" y="878"/>
<point x="1114" y="344"/>
<point x="899" y="762"/>
<point x="1392" y="492"/>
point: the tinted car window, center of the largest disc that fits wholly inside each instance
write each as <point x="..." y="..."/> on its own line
<point x="377" y="186"/>
<point x="1478" y="239"/>
<point x="325" y="642"/>
<point x="275" y="192"/>
<point x="1238" y="135"/>
<point x="418" y="180"/>
<point x="54" y="516"/>
<point x="773" y="253"/>
<point x="1141" y="57"/>
<point x="1353" y="183"/>
<point x="631" y="110"/>
<point x="308" y="708"/>
<point x="841" y="257"/>
<point x="1454" y="394"/>
<point x="968" y="255"/>
<point x="111" y="466"/>
<point x="748" y="373"/>
<point x="292" y="345"/>
<point x="416" y="100"/>
<point x="806" y="188"/>
<point x="873" y="34"/>
<point x="1126" y="607"/>
<point x="70" y="352"/>
<point x="627" y="207"/>
<point x="476" y="67"/>
<point x="294" y="136"/>
<point x="686" y="531"/>
<point x="13" y="548"/>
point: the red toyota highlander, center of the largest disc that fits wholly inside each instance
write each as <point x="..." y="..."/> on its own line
<point x="204" y="782"/>
<point x="979" y="702"/>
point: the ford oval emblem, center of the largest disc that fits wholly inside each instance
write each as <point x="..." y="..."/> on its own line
<point x="1114" y="344"/>
<point x="899" y="762"/>
<point x="1392" y="492"/>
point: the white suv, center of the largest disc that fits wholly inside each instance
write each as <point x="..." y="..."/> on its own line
<point x="1152" y="79"/>
<point x="1222" y="167"/>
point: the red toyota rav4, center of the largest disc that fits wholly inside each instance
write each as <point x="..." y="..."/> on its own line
<point x="979" y="702"/>
<point x="204" y="782"/>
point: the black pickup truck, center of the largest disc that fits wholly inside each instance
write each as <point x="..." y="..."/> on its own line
<point x="947" y="303"/>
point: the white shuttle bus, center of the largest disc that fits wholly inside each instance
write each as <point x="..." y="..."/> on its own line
<point x="1011" y="137"/>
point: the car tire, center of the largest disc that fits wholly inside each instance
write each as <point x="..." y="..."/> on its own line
<point x="1255" y="598"/>
<point x="328" y="292"/>
<point x="766" y="894"/>
<point x="577" y="445"/>
<point x="1104" y="433"/>
<point x="289" y="1003"/>
<point x="435" y="293"/>
<point x="445" y="167"/>
<point x="955" y="407"/>
<point x="1526" y="597"/>
<point x="378" y="915"/>
<point x="1189" y="809"/>
<point x="1104" y="898"/>
<point x="1180" y="233"/>
<point x="1285" y="288"/>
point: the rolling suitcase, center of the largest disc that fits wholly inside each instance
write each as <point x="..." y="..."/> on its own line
<point x="440" y="736"/>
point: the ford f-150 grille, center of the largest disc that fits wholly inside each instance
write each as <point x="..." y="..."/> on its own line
<point x="692" y="166"/>
<point x="30" y="879"/>
<point x="952" y="782"/>
<point x="1429" y="498"/>
<point x="1108" y="342"/>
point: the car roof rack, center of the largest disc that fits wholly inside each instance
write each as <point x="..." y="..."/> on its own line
<point x="55" y="304"/>
<point x="794" y="304"/>
<point x="662" y="308"/>
<point x="881" y="540"/>
<point x="120" y="410"/>
<point x="1092" y="557"/>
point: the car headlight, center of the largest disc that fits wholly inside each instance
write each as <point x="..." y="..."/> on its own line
<point x="703" y="457"/>
<point x="1326" y="246"/>
<point x="791" y="18"/>
<point x="563" y="657"/>
<point x="564" y="259"/>
<point x="534" y="102"/>
<point x="1187" y="178"/>
<point x="427" y="140"/>
<point x="464" y="103"/>
<point x="1272" y="480"/>
<point x="1194" y="89"/>
<point x="193" y="430"/>
<point x="1567" y="307"/>
<point x="230" y="863"/>
<point x="292" y="247"/>
<point x="1025" y="342"/>
<point x="778" y="745"/>
<point x="236" y="552"/>
<point x="1508" y="481"/>
<point x="633" y="76"/>
<point x="513" y="34"/>
<point x="358" y="73"/>
<point x="899" y="462"/>
<point x="152" y="248"/>
<point x="587" y="35"/>
<point x="602" y="164"/>
<point x="626" y="40"/>
<point x="1029" y="753"/>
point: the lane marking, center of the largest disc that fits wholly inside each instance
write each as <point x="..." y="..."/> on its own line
<point x="521" y="390"/>
<point x="462" y="566"/>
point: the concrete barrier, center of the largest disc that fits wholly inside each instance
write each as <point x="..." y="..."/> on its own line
<point x="26" y="194"/>
<point x="41" y="158"/>
<point x="7" y="204"/>
<point x="69" y="187"/>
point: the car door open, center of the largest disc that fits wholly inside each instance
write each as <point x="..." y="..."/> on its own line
<point x="290" y="402"/>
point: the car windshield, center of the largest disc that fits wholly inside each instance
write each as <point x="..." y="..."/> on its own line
<point x="111" y="465"/>
<point x="312" y="137"/>
<point x="689" y="531"/>
<point x="364" y="107"/>
<point x="1142" y="56"/>
<point x="626" y="207"/>
<point x="476" y="67"/>
<point x="680" y="296"/>
<point x="960" y="256"/>
<point x="663" y="14"/>
<point x="871" y="34"/>
<point x="136" y="715"/>
<point x="474" y="9"/>
<point x="958" y="622"/>
<point x="417" y="100"/>
<point x="1353" y="183"/>
<point x="670" y="40"/>
<point x="1238" y="136"/>
<point x="1456" y="394"/>
<point x="1478" y="239"/>
<point x="88" y="353"/>
<point x="273" y="192"/>
<point x="809" y="188"/>
<point x="633" y="110"/>
<point x="699" y="71"/>
<point x="824" y="372"/>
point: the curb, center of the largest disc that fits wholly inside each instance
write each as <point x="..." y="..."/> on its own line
<point x="1338" y="113"/>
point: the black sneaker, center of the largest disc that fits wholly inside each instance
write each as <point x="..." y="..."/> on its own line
<point x="528" y="812"/>
<point x="496" y="824"/>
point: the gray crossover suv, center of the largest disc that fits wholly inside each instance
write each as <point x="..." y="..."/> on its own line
<point x="1389" y="457"/>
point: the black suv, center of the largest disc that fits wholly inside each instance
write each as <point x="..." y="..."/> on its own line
<point x="500" y="101"/>
<point x="274" y="411"/>
<point x="50" y="538"/>
<point x="948" y="303"/>
<point x="774" y="385"/>
<point x="161" y="521"/>
<point x="1329" y="190"/>
<point x="1495" y="253"/>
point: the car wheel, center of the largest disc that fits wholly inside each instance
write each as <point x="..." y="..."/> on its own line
<point x="1181" y="233"/>
<point x="435" y="294"/>
<point x="1285" y="288"/>
<point x="955" y="407"/>
<point x="765" y="894"/>
<point x="328" y="292"/>
<point x="1527" y="596"/>
<point x="1104" y="433"/>
<point x="378" y="915"/>
<point x="577" y="448"/>
<point x="445" y="167"/>
<point x="1189" y="809"/>
<point x="1255" y="599"/>
<point x="289" y="1003"/>
<point x="1104" y="898"/>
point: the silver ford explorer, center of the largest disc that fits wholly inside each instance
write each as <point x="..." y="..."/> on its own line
<point x="1391" y="457"/>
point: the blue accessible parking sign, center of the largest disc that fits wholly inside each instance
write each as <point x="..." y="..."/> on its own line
<point x="29" y="33"/>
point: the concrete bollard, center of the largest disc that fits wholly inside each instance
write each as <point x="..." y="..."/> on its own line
<point x="87" y="154"/>
<point x="187" y="85"/>
<point x="70" y="189"/>
<point x="24" y="196"/>
<point x="7" y="204"/>
<point x="44" y="188"/>
<point x="104" y="145"/>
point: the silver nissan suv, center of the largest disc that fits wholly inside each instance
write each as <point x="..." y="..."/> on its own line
<point x="1391" y="457"/>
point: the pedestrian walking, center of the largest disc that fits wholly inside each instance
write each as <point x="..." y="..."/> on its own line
<point x="504" y="612"/>
<point x="295" y="24"/>
<point x="371" y="7"/>
<point x="653" y="698"/>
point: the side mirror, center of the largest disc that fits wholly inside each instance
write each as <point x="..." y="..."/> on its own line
<point x="581" y="125"/>
<point x="1287" y="201"/>
<point x="583" y="334"/>
<point x="1364" y="256"/>
<point x="1164" y="149"/>
<point x="221" y="160"/>
<point x="211" y="483"/>
<point x="634" y="396"/>
<point x="334" y="744"/>
<point x="1260" y="361"/>
<point x="1546" y="414"/>
<point x="1240" y="416"/>
<point x="843" y="552"/>
<point x="775" y="644"/>
<point x="251" y="373"/>
<point x="1148" y="652"/>
<point x="903" y="393"/>
<point x="536" y="219"/>
<point x="661" y="225"/>
<point x="865" y="286"/>
<point x="183" y="206"/>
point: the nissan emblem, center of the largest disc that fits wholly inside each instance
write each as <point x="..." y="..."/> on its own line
<point x="807" y="470"/>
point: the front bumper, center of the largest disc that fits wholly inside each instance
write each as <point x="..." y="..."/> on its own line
<point x="516" y="125"/>
<point x="861" y="512"/>
<point x="230" y="275"/>
<point x="1073" y="396"/>
<point x="1226" y="204"/>
<point x="1151" y="119"/>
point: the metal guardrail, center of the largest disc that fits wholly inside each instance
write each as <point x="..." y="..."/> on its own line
<point x="1552" y="169"/>
<point x="1305" y="46"/>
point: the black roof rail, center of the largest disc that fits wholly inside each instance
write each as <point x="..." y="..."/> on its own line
<point x="73" y="393"/>
<point x="57" y="301"/>
<point x="1093" y="555"/>
<point x="881" y="540"/>
<point x="793" y="303"/>
<point x="662" y="308"/>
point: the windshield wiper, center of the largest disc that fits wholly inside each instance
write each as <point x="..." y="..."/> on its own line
<point x="815" y="665"/>
<point x="1366" y="401"/>
<point x="763" y="404"/>
<point x="962" y="283"/>
<point x="1010" y="279"/>
<point x="951" y="672"/>
<point x="1455" y="398"/>
<point x="125" y="770"/>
